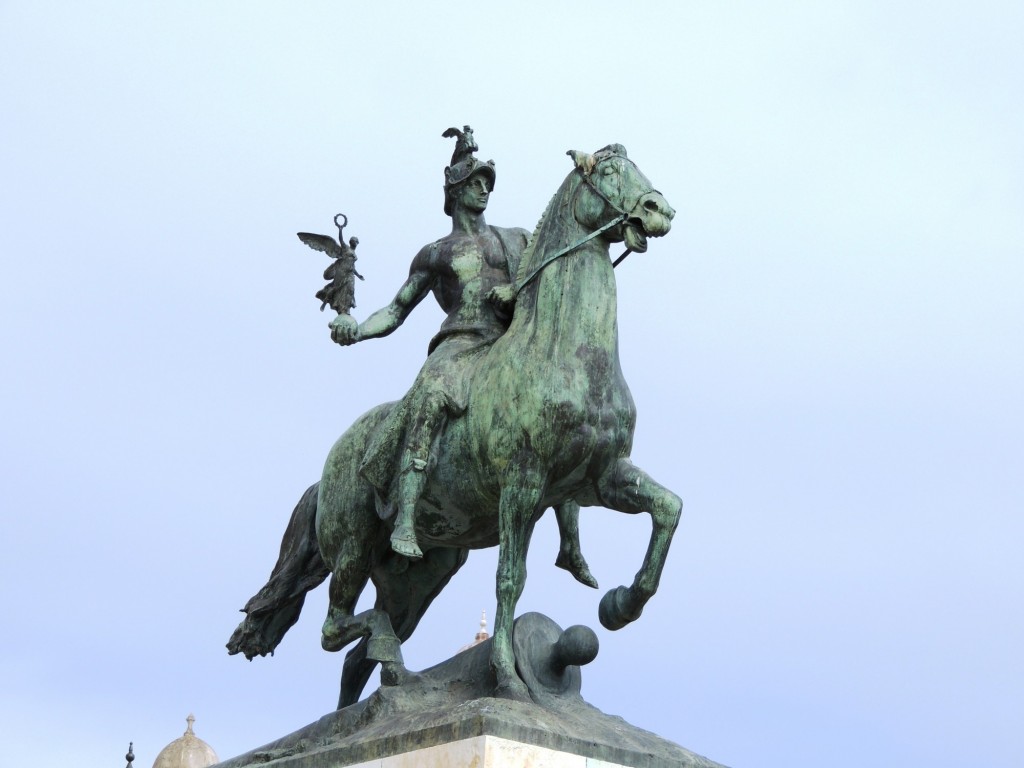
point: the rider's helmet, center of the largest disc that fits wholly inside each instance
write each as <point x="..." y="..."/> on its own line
<point x="464" y="164"/>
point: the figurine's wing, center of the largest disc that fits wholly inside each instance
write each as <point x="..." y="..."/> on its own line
<point x="323" y="243"/>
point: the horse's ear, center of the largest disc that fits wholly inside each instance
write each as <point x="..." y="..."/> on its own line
<point x="584" y="161"/>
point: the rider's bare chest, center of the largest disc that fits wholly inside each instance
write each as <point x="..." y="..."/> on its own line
<point x="473" y="257"/>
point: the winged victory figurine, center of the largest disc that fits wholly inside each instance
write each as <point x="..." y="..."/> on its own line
<point x="340" y="291"/>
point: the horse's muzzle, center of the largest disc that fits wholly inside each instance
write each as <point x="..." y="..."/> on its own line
<point x="651" y="217"/>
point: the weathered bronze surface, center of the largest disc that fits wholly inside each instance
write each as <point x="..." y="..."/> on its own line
<point x="453" y="701"/>
<point x="520" y="406"/>
<point x="340" y="291"/>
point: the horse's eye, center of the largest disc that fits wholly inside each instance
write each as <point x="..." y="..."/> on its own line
<point x="608" y="170"/>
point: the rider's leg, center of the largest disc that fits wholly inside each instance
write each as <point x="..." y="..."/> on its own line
<point x="411" y="484"/>
<point x="414" y="466"/>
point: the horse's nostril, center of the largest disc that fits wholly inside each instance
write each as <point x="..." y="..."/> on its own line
<point x="651" y="205"/>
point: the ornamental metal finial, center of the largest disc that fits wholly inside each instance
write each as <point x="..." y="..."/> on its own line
<point x="482" y="634"/>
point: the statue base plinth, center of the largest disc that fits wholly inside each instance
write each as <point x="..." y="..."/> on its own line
<point x="448" y="712"/>
<point x="502" y="733"/>
<point x="487" y="752"/>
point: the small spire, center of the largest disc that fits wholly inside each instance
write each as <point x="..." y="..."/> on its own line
<point x="130" y="756"/>
<point x="481" y="635"/>
<point x="190" y="719"/>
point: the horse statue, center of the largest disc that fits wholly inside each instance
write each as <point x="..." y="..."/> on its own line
<point x="549" y="423"/>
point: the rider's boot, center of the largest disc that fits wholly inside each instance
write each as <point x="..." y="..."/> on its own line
<point x="423" y="432"/>
<point x="410" y="488"/>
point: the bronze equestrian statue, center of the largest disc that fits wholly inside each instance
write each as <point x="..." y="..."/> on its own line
<point x="500" y="425"/>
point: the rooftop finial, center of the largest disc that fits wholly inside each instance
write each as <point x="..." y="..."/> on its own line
<point x="190" y="719"/>
<point x="130" y="756"/>
<point x="481" y="635"/>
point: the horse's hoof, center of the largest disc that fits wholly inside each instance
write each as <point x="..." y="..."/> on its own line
<point x="615" y="611"/>
<point x="577" y="566"/>
<point x="384" y="647"/>
<point x="406" y="545"/>
<point x="395" y="673"/>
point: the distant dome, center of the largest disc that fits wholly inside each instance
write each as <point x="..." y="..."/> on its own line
<point x="187" y="752"/>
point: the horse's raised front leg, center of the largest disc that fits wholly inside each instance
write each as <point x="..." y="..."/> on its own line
<point x="627" y="488"/>
<point x="519" y="500"/>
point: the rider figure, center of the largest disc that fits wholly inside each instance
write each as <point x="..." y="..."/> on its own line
<point x="462" y="269"/>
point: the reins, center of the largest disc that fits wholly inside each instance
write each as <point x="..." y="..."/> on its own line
<point x="623" y="215"/>
<point x="569" y="249"/>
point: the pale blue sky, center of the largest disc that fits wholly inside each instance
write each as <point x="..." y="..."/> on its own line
<point x="826" y="353"/>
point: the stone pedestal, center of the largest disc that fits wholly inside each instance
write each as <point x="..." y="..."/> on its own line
<point x="487" y="752"/>
<point x="447" y="717"/>
<point x="482" y="733"/>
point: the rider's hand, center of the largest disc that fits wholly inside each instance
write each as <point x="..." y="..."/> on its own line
<point x="503" y="298"/>
<point x="344" y="330"/>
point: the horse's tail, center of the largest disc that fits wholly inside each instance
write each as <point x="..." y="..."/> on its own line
<point x="274" y="609"/>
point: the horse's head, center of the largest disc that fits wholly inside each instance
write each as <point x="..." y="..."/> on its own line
<point x="613" y="189"/>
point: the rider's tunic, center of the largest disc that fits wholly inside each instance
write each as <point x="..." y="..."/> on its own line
<point x="443" y="382"/>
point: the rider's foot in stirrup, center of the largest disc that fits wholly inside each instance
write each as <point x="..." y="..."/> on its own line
<point x="403" y="541"/>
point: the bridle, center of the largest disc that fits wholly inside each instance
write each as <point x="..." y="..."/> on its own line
<point x="620" y="218"/>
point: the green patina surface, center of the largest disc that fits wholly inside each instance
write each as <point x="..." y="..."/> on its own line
<point x="452" y="701"/>
<point x="520" y="406"/>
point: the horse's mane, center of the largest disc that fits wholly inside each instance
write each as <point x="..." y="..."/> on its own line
<point x="545" y="238"/>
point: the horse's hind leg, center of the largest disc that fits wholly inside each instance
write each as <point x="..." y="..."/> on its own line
<point x="342" y="627"/>
<point x="404" y="595"/>
<point x="355" y="673"/>
<point x="349" y="543"/>
<point x="627" y="488"/>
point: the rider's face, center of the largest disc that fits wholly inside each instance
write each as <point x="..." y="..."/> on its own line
<point x="473" y="195"/>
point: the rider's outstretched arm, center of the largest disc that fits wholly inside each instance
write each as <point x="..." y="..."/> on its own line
<point x="345" y="331"/>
